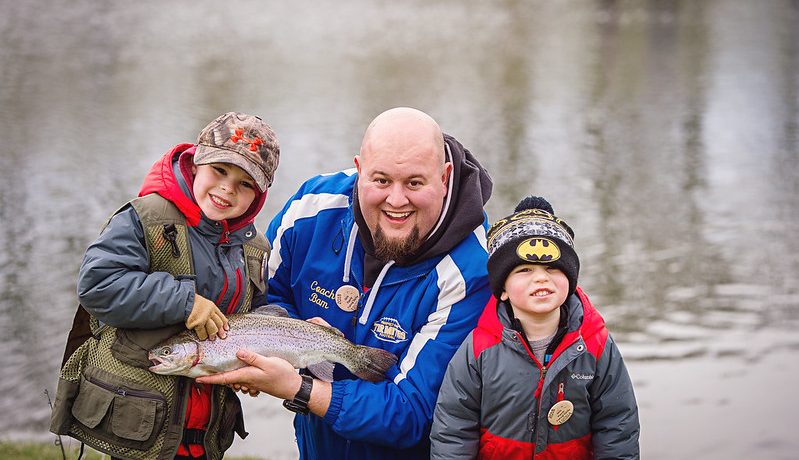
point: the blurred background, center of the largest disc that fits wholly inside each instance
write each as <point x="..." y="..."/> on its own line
<point x="664" y="132"/>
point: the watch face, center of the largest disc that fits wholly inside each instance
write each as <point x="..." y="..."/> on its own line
<point x="300" y="409"/>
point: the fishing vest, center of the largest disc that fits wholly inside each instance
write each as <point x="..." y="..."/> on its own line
<point x="106" y="396"/>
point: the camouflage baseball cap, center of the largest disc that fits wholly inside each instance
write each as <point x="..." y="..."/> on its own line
<point x="243" y="140"/>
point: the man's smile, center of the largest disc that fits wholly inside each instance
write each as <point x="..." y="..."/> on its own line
<point x="397" y="216"/>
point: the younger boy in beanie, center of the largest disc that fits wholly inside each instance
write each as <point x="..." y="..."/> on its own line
<point x="184" y="255"/>
<point x="540" y="374"/>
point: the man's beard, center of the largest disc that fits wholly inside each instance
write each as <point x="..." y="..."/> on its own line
<point x="396" y="249"/>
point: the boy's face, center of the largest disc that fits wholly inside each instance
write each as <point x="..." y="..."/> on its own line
<point x="535" y="289"/>
<point x="222" y="190"/>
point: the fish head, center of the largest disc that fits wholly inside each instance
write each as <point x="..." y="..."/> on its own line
<point x="176" y="358"/>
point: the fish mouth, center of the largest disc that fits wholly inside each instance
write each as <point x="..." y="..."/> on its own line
<point x="155" y="360"/>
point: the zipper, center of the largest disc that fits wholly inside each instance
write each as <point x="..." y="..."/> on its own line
<point x="538" y="392"/>
<point x="180" y="401"/>
<point x="120" y="391"/>
<point x="181" y="411"/>
<point x="539" y="386"/>
<point x="171" y="234"/>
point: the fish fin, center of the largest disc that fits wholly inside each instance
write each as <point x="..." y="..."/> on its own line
<point x="323" y="370"/>
<point x="204" y="369"/>
<point x="373" y="363"/>
<point x="270" y="310"/>
<point x="336" y="331"/>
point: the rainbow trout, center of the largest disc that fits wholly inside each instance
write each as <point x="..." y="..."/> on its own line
<point x="269" y="331"/>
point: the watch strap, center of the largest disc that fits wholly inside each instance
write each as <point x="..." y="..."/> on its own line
<point x="300" y="402"/>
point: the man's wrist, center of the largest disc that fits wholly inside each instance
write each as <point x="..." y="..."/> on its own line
<point x="300" y="402"/>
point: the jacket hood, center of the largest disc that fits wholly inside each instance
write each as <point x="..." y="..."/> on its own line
<point x="163" y="180"/>
<point x="469" y="189"/>
<point x="583" y="319"/>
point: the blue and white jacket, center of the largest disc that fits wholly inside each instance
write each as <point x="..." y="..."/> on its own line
<point x="420" y="312"/>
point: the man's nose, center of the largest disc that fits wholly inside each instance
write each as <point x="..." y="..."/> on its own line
<point x="396" y="196"/>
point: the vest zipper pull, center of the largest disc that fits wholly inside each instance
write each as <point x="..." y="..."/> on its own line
<point x="171" y="234"/>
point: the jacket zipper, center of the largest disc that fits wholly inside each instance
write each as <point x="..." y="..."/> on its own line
<point x="540" y="387"/>
<point x="540" y="390"/>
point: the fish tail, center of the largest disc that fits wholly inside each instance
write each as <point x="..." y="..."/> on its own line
<point x="372" y="363"/>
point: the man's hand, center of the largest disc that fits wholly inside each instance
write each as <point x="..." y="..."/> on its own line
<point x="206" y="319"/>
<point x="271" y="375"/>
<point x="318" y="321"/>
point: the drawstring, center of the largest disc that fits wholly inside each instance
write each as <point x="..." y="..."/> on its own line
<point x="338" y="242"/>
<point x="350" y="249"/>
<point x="448" y="155"/>
<point x="225" y="238"/>
<point x="373" y="292"/>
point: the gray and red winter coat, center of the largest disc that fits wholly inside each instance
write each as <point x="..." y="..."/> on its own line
<point x="494" y="400"/>
<point x="115" y="283"/>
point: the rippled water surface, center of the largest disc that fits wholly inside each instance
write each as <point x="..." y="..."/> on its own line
<point x="664" y="132"/>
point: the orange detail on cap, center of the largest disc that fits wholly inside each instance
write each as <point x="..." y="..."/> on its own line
<point x="238" y="135"/>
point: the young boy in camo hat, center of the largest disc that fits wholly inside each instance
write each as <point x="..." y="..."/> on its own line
<point x="540" y="374"/>
<point x="184" y="255"/>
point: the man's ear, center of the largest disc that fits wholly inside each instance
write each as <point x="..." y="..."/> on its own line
<point x="504" y="297"/>
<point x="445" y="176"/>
<point x="357" y="161"/>
<point x="193" y="170"/>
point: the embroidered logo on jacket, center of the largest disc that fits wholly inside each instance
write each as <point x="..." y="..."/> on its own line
<point x="320" y="296"/>
<point x="389" y="330"/>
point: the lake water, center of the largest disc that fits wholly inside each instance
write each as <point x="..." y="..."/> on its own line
<point x="664" y="132"/>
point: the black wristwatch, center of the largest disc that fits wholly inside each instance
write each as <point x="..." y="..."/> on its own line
<point x="300" y="402"/>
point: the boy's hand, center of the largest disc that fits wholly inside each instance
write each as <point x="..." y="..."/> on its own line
<point x="206" y="319"/>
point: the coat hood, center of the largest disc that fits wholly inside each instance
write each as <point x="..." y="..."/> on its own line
<point x="177" y="187"/>
<point x="583" y="321"/>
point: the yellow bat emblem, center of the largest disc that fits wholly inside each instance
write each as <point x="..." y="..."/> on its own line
<point x="538" y="250"/>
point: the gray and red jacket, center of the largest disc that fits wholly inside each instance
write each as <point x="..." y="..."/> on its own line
<point x="116" y="286"/>
<point x="494" y="400"/>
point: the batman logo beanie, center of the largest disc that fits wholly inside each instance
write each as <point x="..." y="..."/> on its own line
<point x="531" y="235"/>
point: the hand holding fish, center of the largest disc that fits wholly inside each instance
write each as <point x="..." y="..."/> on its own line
<point x="318" y="321"/>
<point x="206" y="320"/>
<point x="252" y="392"/>
<point x="271" y="375"/>
<point x="274" y="376"/>
<point x="269" y="331"/>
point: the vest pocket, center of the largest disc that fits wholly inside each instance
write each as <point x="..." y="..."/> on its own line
<point x="133" y="418"/>
<point x="115" y="411"/>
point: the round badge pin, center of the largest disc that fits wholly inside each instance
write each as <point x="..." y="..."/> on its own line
<point x="347" y="297"/>
<point x="560" y="412"/>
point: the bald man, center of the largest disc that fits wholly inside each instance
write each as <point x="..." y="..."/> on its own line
<point x="392" y="254"/>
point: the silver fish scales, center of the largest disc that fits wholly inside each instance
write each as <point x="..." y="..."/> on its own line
<point x="269" y="331"/>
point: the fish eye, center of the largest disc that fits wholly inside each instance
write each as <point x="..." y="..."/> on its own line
<point x="166" y="351"/>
